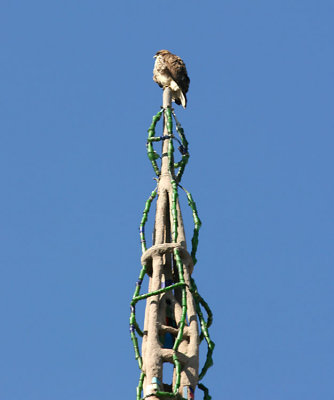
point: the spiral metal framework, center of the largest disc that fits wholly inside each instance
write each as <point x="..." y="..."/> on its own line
<point x="174" y="324"/>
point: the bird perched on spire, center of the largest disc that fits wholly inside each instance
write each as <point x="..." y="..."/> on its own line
<point x="170" y="71"/>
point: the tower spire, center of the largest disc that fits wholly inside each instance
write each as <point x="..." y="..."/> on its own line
<point x="173" y="313"/>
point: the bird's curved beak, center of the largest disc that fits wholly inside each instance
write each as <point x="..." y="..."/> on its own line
<point x="155" y="56"/>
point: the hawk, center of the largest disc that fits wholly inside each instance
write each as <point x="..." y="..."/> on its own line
<point x="170" y="71"/>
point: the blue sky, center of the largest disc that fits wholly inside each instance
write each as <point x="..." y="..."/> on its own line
<point x="76" y="99"/>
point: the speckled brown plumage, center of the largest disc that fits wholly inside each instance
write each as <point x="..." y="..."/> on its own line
<point x="170" y="71"/>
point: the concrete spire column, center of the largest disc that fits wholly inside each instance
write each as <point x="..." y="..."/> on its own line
<point x="160" y="258"/>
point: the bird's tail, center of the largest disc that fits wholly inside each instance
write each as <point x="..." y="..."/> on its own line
<point x="178" y="96"/>
<point x="183" y="99"/>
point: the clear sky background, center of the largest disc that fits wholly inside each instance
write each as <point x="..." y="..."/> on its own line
<point x="76" y="99"/>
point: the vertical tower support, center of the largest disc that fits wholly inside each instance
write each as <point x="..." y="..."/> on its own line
<point x="173" y="305"/>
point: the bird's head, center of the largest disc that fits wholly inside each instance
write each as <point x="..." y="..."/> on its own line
<point x="161" y="53"/>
